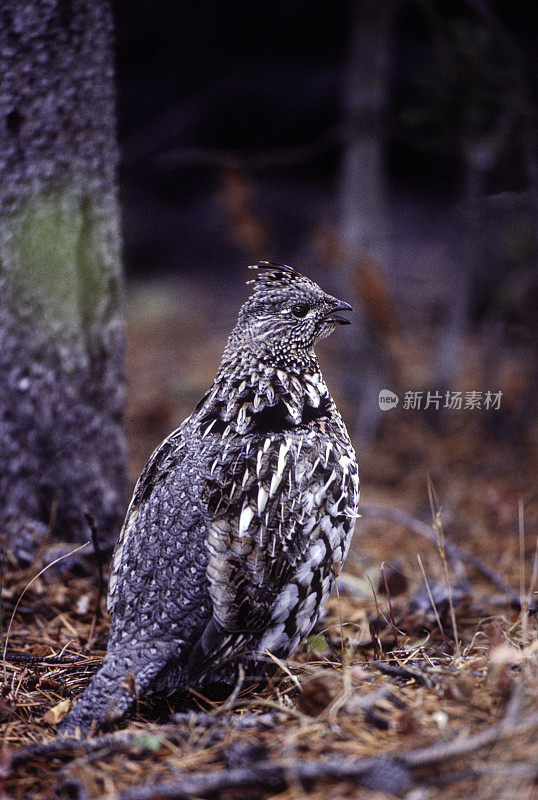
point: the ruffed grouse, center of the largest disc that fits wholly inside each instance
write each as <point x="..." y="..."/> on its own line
<point x="240" y="518"/>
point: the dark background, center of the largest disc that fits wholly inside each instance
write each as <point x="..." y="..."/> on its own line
<point x="387" y="149"/>
<point x="263" y="85"/>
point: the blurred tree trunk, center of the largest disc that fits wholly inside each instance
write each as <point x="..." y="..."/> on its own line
<point x="363" y="213"/>
<point x="62" y="445"/>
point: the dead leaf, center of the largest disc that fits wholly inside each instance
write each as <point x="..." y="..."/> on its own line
<point x="56" y="714"/>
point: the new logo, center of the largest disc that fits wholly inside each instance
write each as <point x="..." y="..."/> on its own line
<point x="387" y="400"/>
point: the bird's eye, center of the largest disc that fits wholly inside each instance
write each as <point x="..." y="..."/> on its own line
<point x="300" y="310"/>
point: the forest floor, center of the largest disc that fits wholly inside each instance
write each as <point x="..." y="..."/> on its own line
<point x="393" y="697"/>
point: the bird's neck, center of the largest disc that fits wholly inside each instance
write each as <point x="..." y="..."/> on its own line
<point x="250" y="395"/>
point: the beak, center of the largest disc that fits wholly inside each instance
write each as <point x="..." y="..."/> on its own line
<point x="340" y="306"/>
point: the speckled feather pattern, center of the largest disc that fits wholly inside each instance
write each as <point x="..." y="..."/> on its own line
<point x="240" y="519"/>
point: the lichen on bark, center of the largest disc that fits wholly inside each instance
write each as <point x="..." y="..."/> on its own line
<point x="62" y="443"/>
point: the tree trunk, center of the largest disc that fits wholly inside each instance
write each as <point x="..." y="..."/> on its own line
<point x="363" y="214"/>
<point x="62" y="444"/>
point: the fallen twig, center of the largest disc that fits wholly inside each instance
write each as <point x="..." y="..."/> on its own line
<point x="276" y="775"/>
<point x="63" y="745"/>
<point x="398" y="671"/>
<point x="391" y="773"/>
<point x="461" y="747"/>
<point x="13" y="657"/>
<point x="453" y="551"/>
<point x="110" y="742"/>
<point x="240" y="722"/>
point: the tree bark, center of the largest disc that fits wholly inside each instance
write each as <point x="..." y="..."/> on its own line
<point x="62" y="444"/>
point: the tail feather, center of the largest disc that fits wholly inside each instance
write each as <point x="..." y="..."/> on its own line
<point x="112" y="691"/>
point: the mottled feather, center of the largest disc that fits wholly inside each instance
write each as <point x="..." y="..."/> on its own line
<point x="241" y="516"/>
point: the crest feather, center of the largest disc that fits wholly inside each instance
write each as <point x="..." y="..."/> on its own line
<point x="272" y="275"/>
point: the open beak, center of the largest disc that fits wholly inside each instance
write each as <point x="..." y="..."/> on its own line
<point x="340" y="306"/>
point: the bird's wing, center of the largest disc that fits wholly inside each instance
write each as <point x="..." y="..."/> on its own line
<point x="274" y="502"/>
<point x="168" y="457"/>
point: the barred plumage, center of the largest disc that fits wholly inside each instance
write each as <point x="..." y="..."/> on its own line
<point x="242" y="516"/>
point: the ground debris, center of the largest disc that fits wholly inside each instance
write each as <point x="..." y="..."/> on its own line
<point x="385" y="696"/>
<point x="384" y="720"/>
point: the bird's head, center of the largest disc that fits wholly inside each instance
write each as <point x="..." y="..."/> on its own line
<point x="285" y="316"/>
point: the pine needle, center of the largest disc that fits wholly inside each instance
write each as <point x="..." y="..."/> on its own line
<point x="45" y="568"/>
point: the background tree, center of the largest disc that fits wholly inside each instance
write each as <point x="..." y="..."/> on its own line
<point x="62" y="446"/>
<point x="362" y="204"/>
